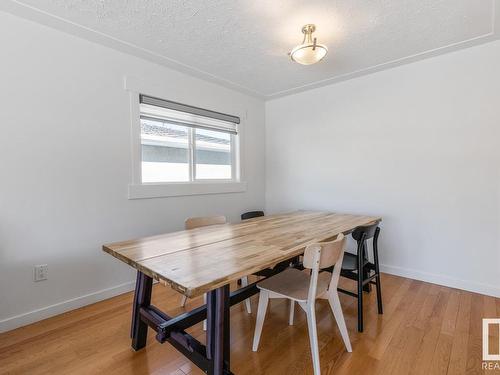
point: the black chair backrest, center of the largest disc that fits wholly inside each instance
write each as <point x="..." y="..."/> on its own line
<point x="368" y="231"/>
<point x="251" y="215"/>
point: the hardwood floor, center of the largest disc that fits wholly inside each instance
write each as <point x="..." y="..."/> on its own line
<point x="425" y="329"/>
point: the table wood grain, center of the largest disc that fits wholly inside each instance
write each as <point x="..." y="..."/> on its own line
<point x="198" y="260"/>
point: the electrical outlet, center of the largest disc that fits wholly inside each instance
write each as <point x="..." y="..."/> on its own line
<point x="40" y="272"/>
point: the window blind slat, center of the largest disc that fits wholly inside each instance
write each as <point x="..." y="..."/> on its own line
<point x="188" y="109"/>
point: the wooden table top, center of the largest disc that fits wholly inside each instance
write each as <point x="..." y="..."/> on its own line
<point x="198" y="260"/>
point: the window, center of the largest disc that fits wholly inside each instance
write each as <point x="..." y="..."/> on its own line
<point x="165" y="151"/>
<point x="180" y="143"/>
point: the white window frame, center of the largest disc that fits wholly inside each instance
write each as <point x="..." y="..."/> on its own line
<point x="234" y="160"/>
<point x="139" y="190"/>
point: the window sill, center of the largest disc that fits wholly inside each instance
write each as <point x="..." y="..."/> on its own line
<point x="144" y="191"/>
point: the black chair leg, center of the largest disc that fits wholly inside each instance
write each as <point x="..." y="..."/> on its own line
<point x="377" y="279"/>
<point x="360" y="293"/>
<point x="366" y="272"/>
<point x="367" y="287"/>
<point x="379" y="296"/>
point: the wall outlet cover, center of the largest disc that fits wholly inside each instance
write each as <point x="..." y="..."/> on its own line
<point x="40" y="272"/>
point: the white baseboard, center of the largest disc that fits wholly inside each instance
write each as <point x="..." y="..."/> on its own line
<point x="61" y="307"/>
<point x="470" y="286"/>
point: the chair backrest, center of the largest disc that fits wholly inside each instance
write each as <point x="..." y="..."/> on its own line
<point x="324" y="255"/>
<point x="367" y="230"/>
<point x="363" y="233"/>
<point x="329" y="253"/>
<point x="196" y="222"/>
<point x="251" y="215"/>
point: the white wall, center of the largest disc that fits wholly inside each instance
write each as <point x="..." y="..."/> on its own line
<point x="65" y="166"/>
<point x="418" y="145"/>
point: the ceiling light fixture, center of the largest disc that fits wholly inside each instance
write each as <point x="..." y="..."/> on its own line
<point x="309" y="52"/>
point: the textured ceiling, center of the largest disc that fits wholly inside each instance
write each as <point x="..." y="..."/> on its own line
<point x="244" y="44"/>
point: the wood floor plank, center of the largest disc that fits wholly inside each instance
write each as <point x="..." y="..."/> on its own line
<point x="374" y="325"/>
<point x="426" y="329"/>
<point x="430" y="343"/>
<point x="489" y="312"/>
<point x="423" y="359"/>
<point x="458" y="357"/>
<point x="409" y="351"/>
<point x="475" y="341"/>
<point x="366" y="343"/>
<point x="441" y="358"/>
<point x="451" y="313"/>
<point x="387" y="334"/>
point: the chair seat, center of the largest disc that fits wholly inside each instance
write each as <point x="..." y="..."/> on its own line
<point x="294" y="284"/>
<point x="350" y="262"/>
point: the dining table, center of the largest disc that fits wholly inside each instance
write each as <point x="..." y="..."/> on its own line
<point x="207" y="260"/>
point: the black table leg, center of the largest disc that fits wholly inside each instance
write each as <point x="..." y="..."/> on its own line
<point x="142" y="298"/>
<point x="214" y="357"/>
<point x="218" y="331"/>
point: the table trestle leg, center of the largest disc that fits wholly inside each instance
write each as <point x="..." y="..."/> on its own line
<point x="218" y="331"/>
<point x="142" y="298"/>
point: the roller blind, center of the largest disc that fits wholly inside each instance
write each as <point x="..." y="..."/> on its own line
<point x="186" y="115"/>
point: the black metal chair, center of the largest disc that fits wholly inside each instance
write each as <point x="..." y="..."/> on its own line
<point x="251" y="215"/>
<point x="357" y="267"/>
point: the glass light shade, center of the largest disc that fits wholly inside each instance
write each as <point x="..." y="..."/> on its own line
<point x="307" y="54"/>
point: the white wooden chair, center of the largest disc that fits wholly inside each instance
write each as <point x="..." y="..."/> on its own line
<point x="197" y="222"/>
<point x="300" y="287"/>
